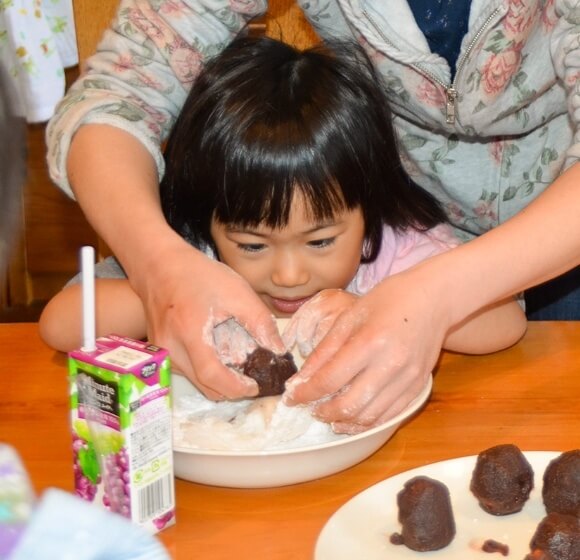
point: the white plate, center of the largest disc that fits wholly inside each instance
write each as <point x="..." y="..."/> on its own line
<point x="361" y="528"/>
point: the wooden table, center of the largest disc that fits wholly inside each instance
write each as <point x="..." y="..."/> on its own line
<point x="528" y="395"/>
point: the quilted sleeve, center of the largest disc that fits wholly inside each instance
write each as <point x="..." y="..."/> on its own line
<point x="565" y="47"/>
<point x="143" y="69"/>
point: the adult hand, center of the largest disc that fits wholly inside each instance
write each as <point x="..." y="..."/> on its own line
<point x="186" y="297"/>
<point x="376" y="357"/>
<point x="310" y="324"/>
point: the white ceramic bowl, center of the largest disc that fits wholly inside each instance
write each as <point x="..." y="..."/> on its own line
<point x="265" y="469"/>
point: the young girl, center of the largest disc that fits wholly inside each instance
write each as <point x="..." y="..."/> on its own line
<point x="283" y="166"/>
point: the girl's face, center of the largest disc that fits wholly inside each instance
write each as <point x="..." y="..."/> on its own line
<point x="288" y="266"/>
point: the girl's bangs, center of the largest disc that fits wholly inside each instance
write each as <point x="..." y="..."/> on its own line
<point x="259" y="180"/>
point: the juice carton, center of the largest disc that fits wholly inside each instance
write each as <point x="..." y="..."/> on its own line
<point x="121" y="428"/>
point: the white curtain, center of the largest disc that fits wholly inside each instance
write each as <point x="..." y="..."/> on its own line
<point x="37" y="42"/>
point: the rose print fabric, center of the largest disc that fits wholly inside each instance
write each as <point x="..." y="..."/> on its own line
<point x="511" y="129"/>
<point x="37" y="41"/>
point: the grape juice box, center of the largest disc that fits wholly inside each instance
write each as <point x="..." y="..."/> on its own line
<point x="120" y="397"/>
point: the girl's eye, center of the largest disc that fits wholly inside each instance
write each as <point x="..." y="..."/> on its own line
<point x="322" y="243"/>
<point x="251" y="247"/>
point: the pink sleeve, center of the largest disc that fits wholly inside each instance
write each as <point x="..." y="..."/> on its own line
<point x="400" y="251"/>
<point x="414" y="246"/>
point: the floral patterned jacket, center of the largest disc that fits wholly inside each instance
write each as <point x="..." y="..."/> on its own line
<point x="485" y="144"/>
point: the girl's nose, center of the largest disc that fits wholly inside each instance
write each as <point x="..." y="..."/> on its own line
<point x="289" y="271"/>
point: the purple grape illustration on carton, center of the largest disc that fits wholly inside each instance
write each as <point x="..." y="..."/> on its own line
<point x="117" y="495"/>
<point x="114" y="462"/>
<point x="87" y="474"/>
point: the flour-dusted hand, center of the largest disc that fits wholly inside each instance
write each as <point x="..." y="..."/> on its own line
<point x="309" y="325"/>
<point x="233" y="343"/>
<point x="185" y="298"/>
<point x="374" y="360"/>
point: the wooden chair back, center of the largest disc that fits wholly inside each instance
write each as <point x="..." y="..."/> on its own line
<point x="283" y="20"/>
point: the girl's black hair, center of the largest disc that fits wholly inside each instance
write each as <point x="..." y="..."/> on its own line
<point x="264" y="119"/>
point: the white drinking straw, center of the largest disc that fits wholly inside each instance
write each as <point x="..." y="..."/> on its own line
<point x="88" y="289"/>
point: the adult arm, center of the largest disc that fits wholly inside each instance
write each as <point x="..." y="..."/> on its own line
<point x="493" y="328"/>
<point x="104" y="147"/>
<point x="378" y="354"/>
<point x="376" y="357"/>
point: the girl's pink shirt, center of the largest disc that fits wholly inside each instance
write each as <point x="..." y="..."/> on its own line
<point x="400" y="251"/>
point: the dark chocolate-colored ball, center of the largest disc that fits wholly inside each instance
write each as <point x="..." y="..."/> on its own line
<point x="425" y="514"/>
<point x="561" y="490"/>
<point x="502" y="479"/>
<point x="271" y="371"/>
<point x="557" y="537"/>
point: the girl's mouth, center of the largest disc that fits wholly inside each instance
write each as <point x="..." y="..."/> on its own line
<point x="288" y="306"/>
